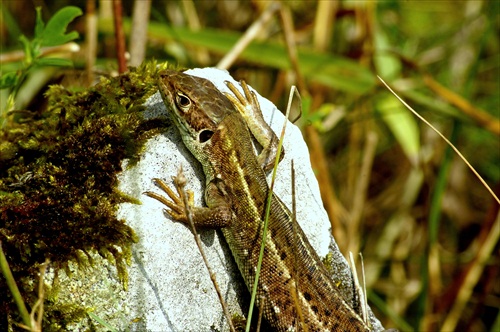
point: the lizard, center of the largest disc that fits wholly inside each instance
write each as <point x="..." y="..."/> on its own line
<point x="295" y="291"/>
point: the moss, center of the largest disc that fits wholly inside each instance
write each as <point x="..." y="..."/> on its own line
<point x="60" y="316"/>
<point x="58" y="178"/>
<point x="239" y="322"/>
<point x="328" y="262"/>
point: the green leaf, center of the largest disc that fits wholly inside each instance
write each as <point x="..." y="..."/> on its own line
<point x="9" y="23"/>
<point x="58" y="62"/>
<point x="55" y="31"/>
<point x="28" y="54"/>
<point x="102" y="322"/>
<point x="8" y="80"/>
<point x="39" y="25"/>
<point x="403" y="125"/>
<point x="388" y="65"/>
<point x="333" y="71"/>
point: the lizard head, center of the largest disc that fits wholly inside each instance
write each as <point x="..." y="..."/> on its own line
<point x="197" y="105"/>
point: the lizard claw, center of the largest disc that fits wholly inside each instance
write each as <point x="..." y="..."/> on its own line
<point x="176" y="208"/>
<point x="247" y="105"/>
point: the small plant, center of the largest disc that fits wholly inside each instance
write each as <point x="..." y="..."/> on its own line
<point x="50" y="35"/>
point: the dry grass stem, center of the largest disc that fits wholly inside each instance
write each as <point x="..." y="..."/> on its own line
<point x="445" y="139"/>
<point x="291" y="48"/>
<point x="180" y="183"/>
<point x="251" y="33"/>
<point x="138" y="33"/>
<point x="90" y="41"/>
<point x="360" y="192"/>
<point x="324" y="24"/>
<point x="481" y="117"/>
<point x="200" y="54"/>
<point x="471" y="279"/>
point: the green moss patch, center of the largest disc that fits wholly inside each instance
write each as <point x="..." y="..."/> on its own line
<point x="58" y="178"/>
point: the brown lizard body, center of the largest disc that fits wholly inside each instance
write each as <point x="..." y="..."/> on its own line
<point x="295" y="291"/>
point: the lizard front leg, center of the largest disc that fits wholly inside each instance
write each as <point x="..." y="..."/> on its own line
<point x="249" y="108"/>
<point x="217" y="216"/>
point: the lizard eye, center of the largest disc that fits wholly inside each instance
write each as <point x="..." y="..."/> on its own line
<point x="182" y="101"/>
<point x="205" y="135"/>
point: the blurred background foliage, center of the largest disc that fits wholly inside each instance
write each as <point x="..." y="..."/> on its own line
<point x="394" y="190"/>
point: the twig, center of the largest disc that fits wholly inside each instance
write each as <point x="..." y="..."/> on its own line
<point x="36" y="314"/>
<point x="180" y="183"/>
<point x="119" y="36"/>
<point x="472" y="277"/>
